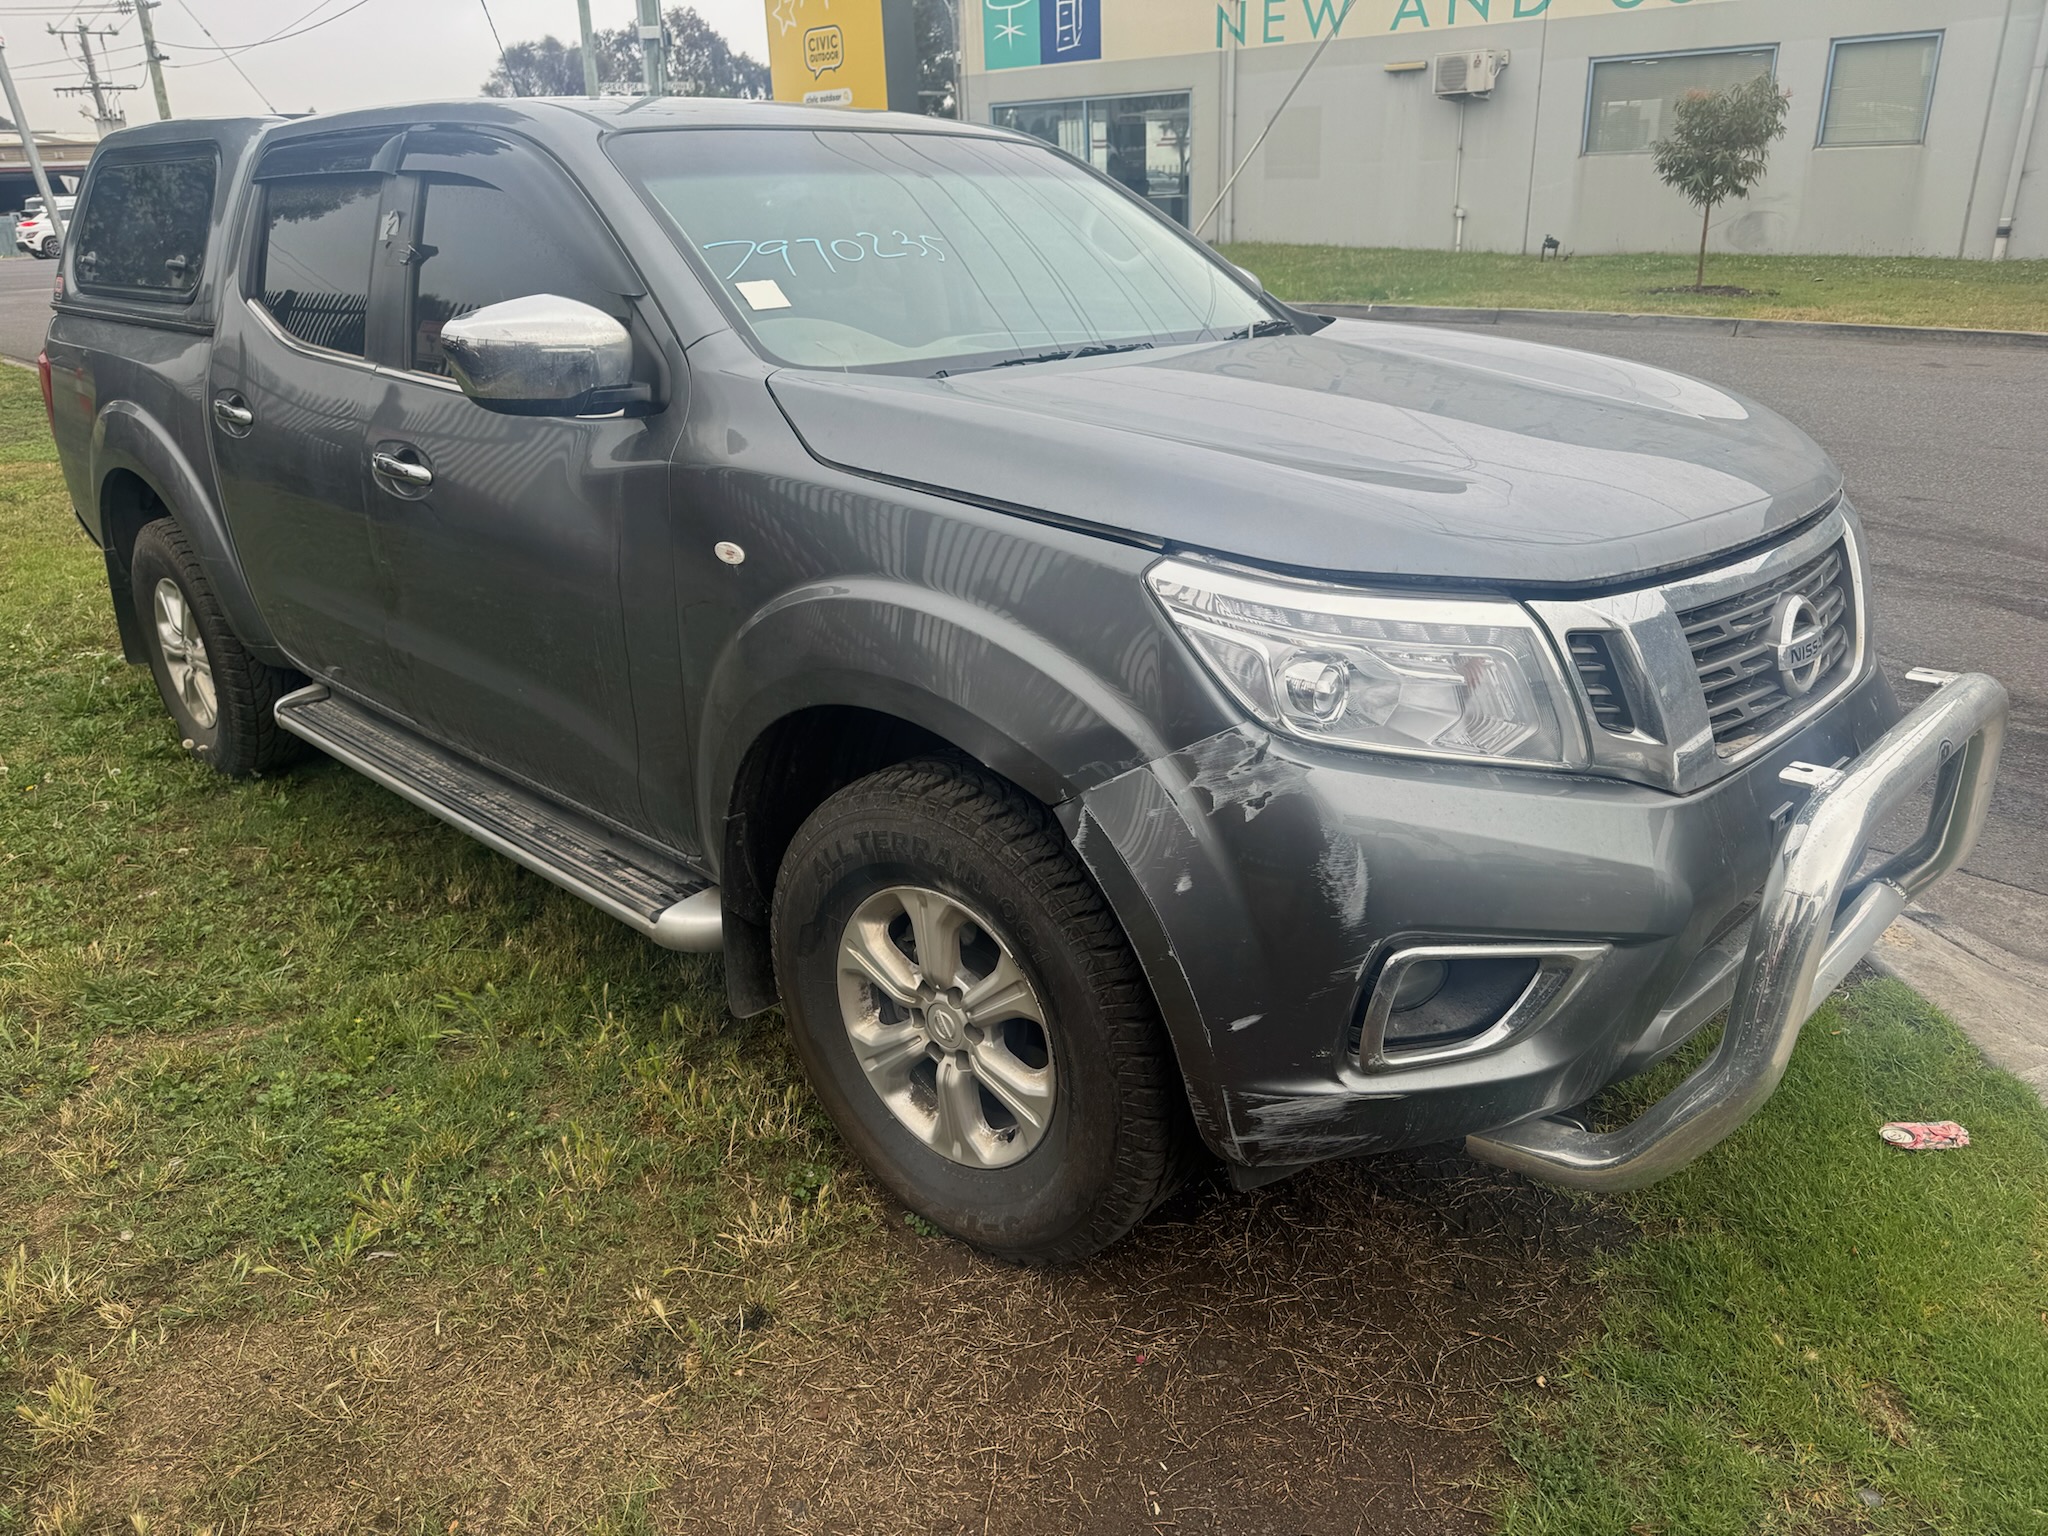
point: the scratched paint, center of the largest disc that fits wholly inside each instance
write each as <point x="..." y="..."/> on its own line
<point x="1343" y="876"/>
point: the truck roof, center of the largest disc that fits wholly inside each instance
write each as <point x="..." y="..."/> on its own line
<point x="590" y="115"/>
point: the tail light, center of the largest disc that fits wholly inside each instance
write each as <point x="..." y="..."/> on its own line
<point x="49" y="391"/>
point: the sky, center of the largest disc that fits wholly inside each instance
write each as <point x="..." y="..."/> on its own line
<point x="351" y="53"/>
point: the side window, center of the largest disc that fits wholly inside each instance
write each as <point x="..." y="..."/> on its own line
<point x="143" y="228"/>
<point x="479" y="245"/>
<point x="313" y="262"/>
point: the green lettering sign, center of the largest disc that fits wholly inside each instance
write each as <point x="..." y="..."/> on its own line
<point x="1409" y="8"/>
<point x="1236" y="28"/>
<point x="1319" y="13"/>
<point x="1276" y="15"/>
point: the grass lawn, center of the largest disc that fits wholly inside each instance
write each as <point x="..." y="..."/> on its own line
<point x="1882" y="290"/>
<point x="1810" y="1319"/>
<point x="353" y="1179"/>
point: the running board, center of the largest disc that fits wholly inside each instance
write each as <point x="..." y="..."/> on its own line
<point x="646" y="890"/>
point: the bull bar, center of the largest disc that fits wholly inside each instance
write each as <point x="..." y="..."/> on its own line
<point x="1816" y="919"/>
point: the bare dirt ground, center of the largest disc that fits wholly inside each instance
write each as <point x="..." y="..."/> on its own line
<point x="1323" y="1356"/>
<point x="1320" y="1357"/>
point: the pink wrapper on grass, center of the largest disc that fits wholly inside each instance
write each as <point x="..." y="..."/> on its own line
<point x="1924" y="1135"/>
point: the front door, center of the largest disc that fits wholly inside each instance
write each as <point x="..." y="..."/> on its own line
<point x="510" y="535"/>
<point x="292" y="390"/>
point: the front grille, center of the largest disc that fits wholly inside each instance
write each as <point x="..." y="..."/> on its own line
<point x="1735" y="653"/>
<point x="1593" y="659"/>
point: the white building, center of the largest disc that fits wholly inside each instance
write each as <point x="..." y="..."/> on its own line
<point x="1905" y="131"/>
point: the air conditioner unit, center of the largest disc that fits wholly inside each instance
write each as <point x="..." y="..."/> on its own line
<point x="1469" y="74"/>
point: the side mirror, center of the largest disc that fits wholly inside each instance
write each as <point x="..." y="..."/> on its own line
<point x="543" y="356"/>
<point x="1249" y="276"/>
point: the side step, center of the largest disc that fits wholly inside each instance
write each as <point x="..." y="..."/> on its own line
<point x="644" y="889"/>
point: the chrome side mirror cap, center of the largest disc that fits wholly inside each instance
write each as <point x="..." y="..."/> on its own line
<point x="543" y="355"/>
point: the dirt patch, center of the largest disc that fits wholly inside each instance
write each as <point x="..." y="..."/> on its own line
<point x="1323" y="1355"/>
<point x="1718" y="291"/>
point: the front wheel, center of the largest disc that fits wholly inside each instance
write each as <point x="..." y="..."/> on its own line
<point x="971" y="1016"/>
<point x="219" y="696"/>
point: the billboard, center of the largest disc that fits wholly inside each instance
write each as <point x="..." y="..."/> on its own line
<point x="1017" y="33"/>
<point x="843" y="53"/>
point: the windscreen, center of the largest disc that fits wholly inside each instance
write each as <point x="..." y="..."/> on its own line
<point x="928" y="252"/>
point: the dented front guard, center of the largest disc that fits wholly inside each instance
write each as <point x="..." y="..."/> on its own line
<point x="1818" y="917"/>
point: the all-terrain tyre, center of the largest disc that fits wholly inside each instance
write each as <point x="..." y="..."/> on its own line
<point x="219" y="696"/>
<point x="971" y="1015"/>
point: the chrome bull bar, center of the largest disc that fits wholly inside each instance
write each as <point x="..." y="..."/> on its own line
<point x="1817" y="918"/>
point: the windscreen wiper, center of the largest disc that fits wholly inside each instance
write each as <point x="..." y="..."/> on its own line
<point x="1262" y="328"/>
<point x="1093" y="349"/>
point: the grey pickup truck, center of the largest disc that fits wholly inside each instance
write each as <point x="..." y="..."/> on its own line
<point x="1113" y="712"/>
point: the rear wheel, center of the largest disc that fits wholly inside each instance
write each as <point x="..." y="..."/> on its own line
<point x="971" y="1015"/>
<point x="50" y="247"/>
<point x="219" y="696"/>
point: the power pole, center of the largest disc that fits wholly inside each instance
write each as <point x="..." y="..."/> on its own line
<point x="28" y="148"/>
<point x="653" y="60"/>
<point x="105" y="118"/>
<point x="589" y="51"/>
<point x="156" y="60"/>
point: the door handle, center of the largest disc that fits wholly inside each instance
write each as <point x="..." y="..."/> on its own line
<point x="413" y="476"/>
<point x="231" y="413"/>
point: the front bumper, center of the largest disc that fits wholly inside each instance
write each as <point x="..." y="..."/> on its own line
<point x="1817" y="917"/>
<point x="1262" y="882"/>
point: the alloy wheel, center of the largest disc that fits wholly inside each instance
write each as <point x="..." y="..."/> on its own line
<point x="946" y="1026"/>
<point x="184" y="652"/>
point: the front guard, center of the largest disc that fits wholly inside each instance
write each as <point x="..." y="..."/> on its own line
<point x="1816" y="920"/>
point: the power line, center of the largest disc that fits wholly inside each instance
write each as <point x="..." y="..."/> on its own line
<point x="281" y="35"/>
<point x="491" y="22"/>
<point x="185" y="6"/>
<point x="53" y="69"/>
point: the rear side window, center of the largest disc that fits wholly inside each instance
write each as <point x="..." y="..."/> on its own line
<point x="142" y="232"/>
<point x="313" y="262"/>
<point x="480" y="246"/>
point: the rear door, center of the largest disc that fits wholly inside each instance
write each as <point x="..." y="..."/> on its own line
<point x="516" y="540"/>
<point x="293" y="388"/>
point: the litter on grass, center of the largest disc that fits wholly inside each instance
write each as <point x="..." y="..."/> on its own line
<point x="1924" y="1135"/>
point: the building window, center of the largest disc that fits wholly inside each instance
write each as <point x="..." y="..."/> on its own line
<point x="1629" y="102"/>
<point x="1141" y="141"/>
<point x="1879" y="89"/>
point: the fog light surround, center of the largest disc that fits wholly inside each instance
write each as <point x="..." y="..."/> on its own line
<point x="1437" y="1002"/>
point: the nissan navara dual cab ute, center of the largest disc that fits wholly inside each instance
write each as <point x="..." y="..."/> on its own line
<point x="1113" y="712"/>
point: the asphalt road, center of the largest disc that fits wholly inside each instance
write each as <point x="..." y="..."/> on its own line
<point x="1947" y="458"/>
<point x="24" y="305"/>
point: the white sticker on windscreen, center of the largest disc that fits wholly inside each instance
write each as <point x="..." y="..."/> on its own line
<point x="765" y="293"/>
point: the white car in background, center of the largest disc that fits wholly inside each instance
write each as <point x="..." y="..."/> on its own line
<point x="33" y="231"/>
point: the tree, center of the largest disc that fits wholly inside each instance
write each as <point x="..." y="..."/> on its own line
<point x="700" y="62"/>
<point x="545" y="68"/>
<point x="1718" y="145"/>
<point x="938" y="58"/>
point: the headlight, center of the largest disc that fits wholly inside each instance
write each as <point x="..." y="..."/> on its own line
<point x="1470" y="678"/>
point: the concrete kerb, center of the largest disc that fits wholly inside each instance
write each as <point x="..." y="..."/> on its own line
<point x="1699" y="325"/>
<point x="1998" y="999"/>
